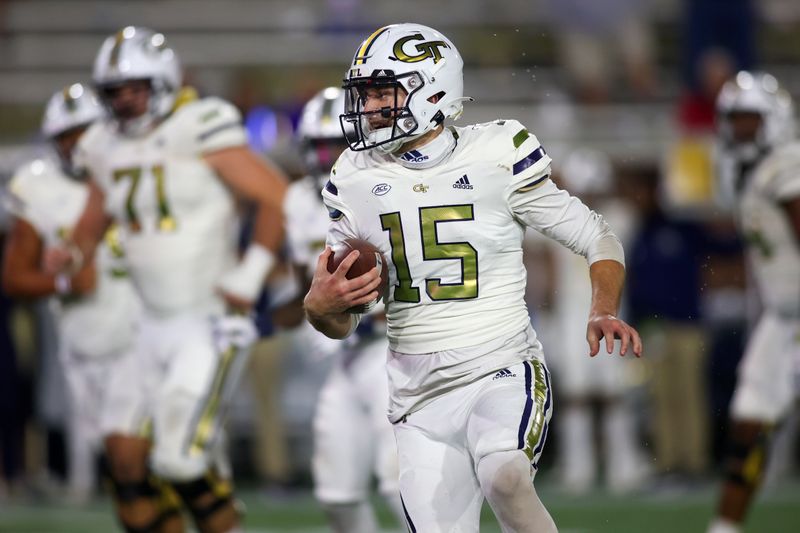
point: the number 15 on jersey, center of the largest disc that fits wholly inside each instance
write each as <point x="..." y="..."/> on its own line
<point x="433" y="250"/>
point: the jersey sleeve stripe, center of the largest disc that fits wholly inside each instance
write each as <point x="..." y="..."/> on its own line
<point x="331" y="188"/>
<point x="213" y="131"/>
<point x="534" y="184"/>
<point x="335" y="214"/>
<point x="529" y="160"/>
<point x="521" y="136"/>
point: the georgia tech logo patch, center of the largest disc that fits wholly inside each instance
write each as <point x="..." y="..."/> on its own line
<point x="428" y="49"/>
<point x="419" y="187"/>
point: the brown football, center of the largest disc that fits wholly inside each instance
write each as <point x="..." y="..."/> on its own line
<point x="368" y="258"/>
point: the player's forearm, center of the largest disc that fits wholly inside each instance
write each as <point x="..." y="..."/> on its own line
<point x="268" y="231"/>
<point x="19" y="284"/>
<point x="92" y="225"/>
<point x="608" y="277"/>
<point x="334" y="325"/>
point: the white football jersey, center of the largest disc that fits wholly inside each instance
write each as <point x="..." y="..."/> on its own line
<point x="306" y="222"/>
<point x="179" y="218"/>
<point x="102" y="323"/>
<point x="453" y="232"/>
<point x="772" y="246"/>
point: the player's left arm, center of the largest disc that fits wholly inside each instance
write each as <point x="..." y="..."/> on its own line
<point x="254" y="180"/>
<point x="222" y="141"/>
<point x="539" y="204"/>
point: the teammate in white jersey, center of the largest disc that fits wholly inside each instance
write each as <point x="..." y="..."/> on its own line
<point x="96" y="306"/>
<point x="352" y="437"/>
<point x="169" y="175"/>
<point x="470" y="393"/>
<point x="760" y="165"/>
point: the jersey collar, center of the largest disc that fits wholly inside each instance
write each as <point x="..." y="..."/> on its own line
<point x="428" y="155"/>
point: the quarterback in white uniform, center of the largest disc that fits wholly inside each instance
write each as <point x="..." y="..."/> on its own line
<point x="352" y="437"/>
<point x="96" y="307"/>
<point x="470" y="394"/>
<point x="760" y="164"/>
<point x="168" y="174"/>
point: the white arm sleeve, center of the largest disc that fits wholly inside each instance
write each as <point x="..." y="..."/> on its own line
<point x="566" y="219"/>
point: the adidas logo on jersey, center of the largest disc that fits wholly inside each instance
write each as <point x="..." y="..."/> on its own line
<point x="413" y="156"/>
<point x="504" y="373"/>
<point x="463" y="183"/>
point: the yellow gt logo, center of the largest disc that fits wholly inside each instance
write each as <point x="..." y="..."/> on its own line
<point x="429" y="49"/>
<point x="419" y="187"/>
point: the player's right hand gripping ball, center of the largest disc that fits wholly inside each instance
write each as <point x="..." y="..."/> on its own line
<point x="369" y="256"/>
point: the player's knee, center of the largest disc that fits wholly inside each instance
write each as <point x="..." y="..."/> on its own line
<point x="504" y="474"/>
<point x="126" y="459"/>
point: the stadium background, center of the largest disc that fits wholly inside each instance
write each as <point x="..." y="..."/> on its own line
<point x="633" y="79"/>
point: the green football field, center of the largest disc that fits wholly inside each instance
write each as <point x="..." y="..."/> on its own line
<point x="778" y="511"/>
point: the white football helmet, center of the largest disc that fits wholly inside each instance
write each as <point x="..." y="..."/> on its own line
<point x="72" y="107"/>
<point x="759" y="93"/>
<point x="417" y="58"/>
<point x="320" y="133"/>
<point x="136" y="53"/>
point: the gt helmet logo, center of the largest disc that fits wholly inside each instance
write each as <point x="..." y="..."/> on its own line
<point x="429" y="49"/>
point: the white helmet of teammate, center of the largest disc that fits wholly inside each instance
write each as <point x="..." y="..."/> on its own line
<point x="760" y="93"/>
<point x="424" y="63"/>
<point x="136" y="53"/>
<point x="320" y="133"/>
<point x="72" y="107"/>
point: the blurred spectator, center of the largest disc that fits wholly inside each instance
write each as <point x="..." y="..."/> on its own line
<point x="597" y="35"/>
<point x="592" y="386"/>
<point x="664" y="290"/>
<point x="697" y="106"/>
<point x="690" y="182"/>
<point x="729" y="25"/>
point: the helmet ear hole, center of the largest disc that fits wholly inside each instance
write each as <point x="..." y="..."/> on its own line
<point x="436" y="97"/>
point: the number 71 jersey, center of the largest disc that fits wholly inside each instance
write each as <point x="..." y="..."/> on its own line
<point x="178" y="217"/>
<point x="450" y="233"/>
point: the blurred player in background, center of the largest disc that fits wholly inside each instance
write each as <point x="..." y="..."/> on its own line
<point x="168" y="171"/>
<point x="470" y="393"/>
<point x="760" y="168"/>
<point x="587" y="383"/>
<point x="352" y="437"/>
<point x="97" y="306"/>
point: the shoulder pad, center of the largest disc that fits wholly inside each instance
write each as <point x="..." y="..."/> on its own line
<point x="212" y="123"/>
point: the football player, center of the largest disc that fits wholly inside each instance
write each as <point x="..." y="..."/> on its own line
<point x="169" y="171"/>
<point x="470" y="395"/>
<point x="97" y="307"/>
<point x="352" y="437"/>
<point x="759" y="165"/>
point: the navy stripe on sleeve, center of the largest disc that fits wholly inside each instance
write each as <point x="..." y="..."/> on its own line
<point x="529" y="160"/>
<point x="331" y="188"/>
<point x="213" y="131"/>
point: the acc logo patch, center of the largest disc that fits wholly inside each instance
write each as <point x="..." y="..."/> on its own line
<point x="428" y="49"/>
<point x="381" y="189"/>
